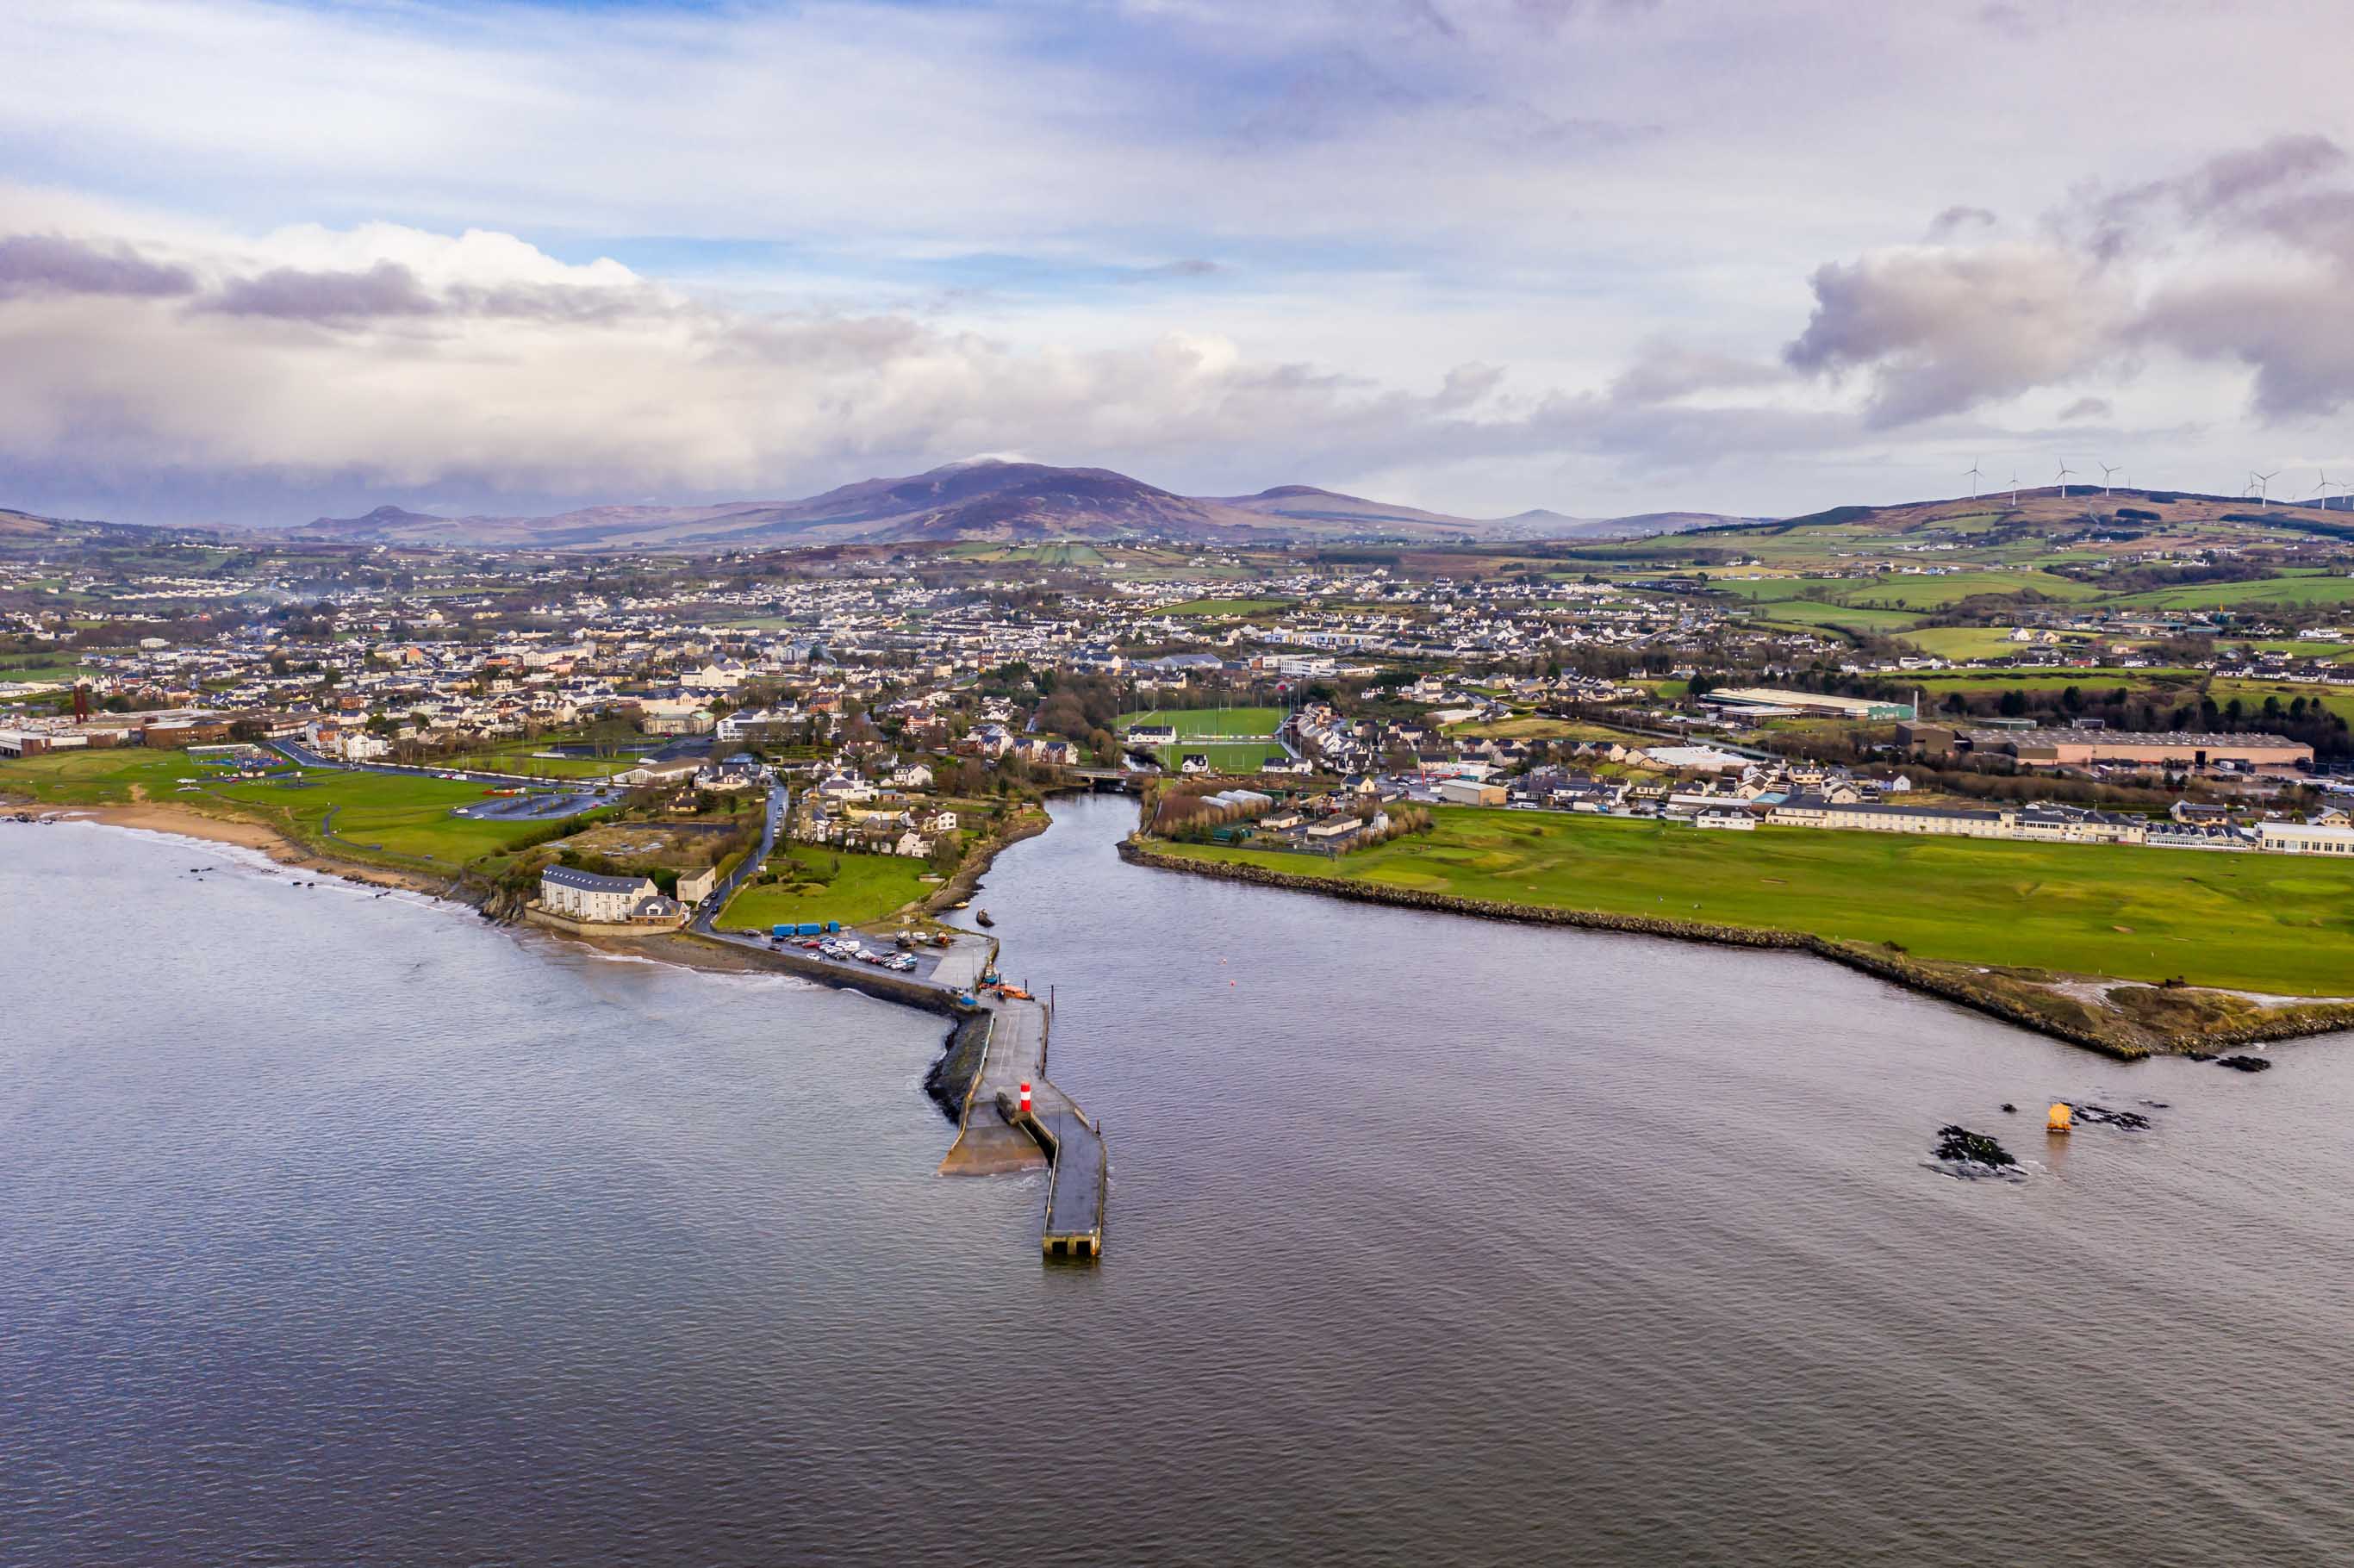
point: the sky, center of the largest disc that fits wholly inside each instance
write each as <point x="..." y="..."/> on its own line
<point x="261" y="263"/>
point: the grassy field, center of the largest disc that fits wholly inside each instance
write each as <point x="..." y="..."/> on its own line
<point x="405" y="817"/>
<point x="2270" y="923"/>
<point x="1842" y="617"/>
<point x="1225" y="757"/>
<point x="1965" y="641"/>
<point x="1207" y="721"/>
<point x="867" y="888"/>
<point x="2317" y="588"/>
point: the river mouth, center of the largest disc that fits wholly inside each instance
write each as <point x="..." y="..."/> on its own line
<point x="357" y="1226"/>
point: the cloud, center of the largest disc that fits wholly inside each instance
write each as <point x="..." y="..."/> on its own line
<point x="1189" y="266"/>
<point x="34" y="263"/>
<point x="1941" y="330"/>
<point x="1954" y="219"/>
<point x="2088" y="409"/>
<point x="287" y="293"/>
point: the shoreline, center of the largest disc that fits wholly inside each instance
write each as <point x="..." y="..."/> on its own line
<point x="245" y="832"/>
<point x="2014" y="997"/>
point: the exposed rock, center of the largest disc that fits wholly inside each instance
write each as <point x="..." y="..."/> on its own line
<point x="1960" y="1145"/>
<point x="2246" y="1064"/>
<point x="2132" y="1121"/>
<point x="949" y="1080"/>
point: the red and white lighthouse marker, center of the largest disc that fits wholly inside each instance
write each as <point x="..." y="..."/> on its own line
<point x="1025" y="1096"/>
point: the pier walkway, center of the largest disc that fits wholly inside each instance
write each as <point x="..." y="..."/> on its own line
<point x="993" y="1137"/>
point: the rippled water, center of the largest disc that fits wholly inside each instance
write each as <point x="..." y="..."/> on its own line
<point x="338" y="1229"/>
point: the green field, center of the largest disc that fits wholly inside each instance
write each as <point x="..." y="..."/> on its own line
<point x="1225" y="757"/>
<point x="2270" y="923"/>
<point x="867" y="888"/>
<point x="1206" y="722"/>
<point x="395" y="814"/>
<point x="399" y="817"/>
<point x="1842" y="617"/>
<point x="1970" y="641"/>
<point x="2320" y="590"/>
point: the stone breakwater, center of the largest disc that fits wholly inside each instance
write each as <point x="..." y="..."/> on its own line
<point x="2009" y="997"/>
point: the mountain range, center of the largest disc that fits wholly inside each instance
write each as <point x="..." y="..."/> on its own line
<point x="985" y="500"/>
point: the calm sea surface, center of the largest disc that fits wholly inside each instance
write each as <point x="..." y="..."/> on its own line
<point x="337" y="1229"/>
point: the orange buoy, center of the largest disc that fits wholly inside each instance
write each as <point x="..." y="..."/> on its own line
<point x="2062" y="1116"/>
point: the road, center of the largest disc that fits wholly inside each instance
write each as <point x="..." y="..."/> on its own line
<point x="574" y="797"/>
<point x="781" y="801"/>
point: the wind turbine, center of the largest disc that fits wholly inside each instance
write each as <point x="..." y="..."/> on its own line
<point x="2065" y="474"/>
<point x="2106" y="472"/>
<point x="1974" y="476"/>
<point x="2261" y="481"/>
<point x="2014" y="487"/>
<point x="2322" y="490"/>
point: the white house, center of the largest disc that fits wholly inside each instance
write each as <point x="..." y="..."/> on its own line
<point x="586" y="896"/>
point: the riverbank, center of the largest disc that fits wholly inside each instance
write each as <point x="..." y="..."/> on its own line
<point x="2117" y="1018"/>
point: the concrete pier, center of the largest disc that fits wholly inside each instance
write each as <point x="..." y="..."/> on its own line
<point x="992" y="1136"/>
<point x="997" y="1136"/>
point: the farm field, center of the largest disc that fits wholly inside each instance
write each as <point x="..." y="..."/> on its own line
<point x="1967" y="642"/>
<point x="1206" y="722"/>
<point x="1840" y="617"/>
<point x="2270" y="923"/>
<point x="2304" y="588"/>
<point x="867" y="888"/>
<point x="1937" y="592"/>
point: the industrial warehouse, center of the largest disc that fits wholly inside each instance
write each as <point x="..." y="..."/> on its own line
<point x="2170" y="748"/>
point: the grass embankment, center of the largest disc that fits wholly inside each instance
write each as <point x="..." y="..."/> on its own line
<point x="2266" y="923"/>
<point x="867" y="888"/>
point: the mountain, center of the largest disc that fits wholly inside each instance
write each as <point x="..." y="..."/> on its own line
<point x="384" y="523"/>
<point x="29" y="532"/>
<point x="1543" y="524"/>
<point x="987" y="499"/>
<point x="1320" y="511"/>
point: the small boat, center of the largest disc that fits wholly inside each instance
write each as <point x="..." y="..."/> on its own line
<point x="980" y="918"/>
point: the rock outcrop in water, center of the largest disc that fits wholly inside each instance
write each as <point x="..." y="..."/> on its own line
<point x="2245" y="1063"/>
<point x="1959" y="1145"/>
<point x="2102" y="1116"/>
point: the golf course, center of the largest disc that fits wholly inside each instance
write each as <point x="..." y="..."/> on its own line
<point x="2268" y="923"/>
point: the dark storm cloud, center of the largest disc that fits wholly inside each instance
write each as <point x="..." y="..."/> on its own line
<point x="36" y="263"/>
